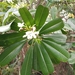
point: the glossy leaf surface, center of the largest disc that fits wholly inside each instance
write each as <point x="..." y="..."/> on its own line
<point x="52" y="26"/>
<point x="27" y="64"/>
<point x="35" y="59"/>
<point x="44" y="60"/>
<point x="56" y="37"/>
<point x="40" y="16"/>
<point x="26" y="16"/>
<point x="10" y="53"/>
<point x="11" y="38"/>
<point x="56" y="50"/>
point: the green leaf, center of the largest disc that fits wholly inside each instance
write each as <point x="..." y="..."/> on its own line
<point x="56" y="37"/>
<point x="47" y="59"/>
<point x="53" y="58"/>
<point x="50" y="1"/>
<point x="40" y="16"/>
<point x="11" y="52"/>
<point x="26" y="16"/>
<point x="71" y="60"/>
<point x="44" y="60"/>
<point x="73" y="44"/>
<point x="27" y="64"/>
<point x="71" y="23"/>
<point x="52" y="26"/>
<point x="35" y="59"/>
<point x="11" y="38"/>
<point x="14" y="26"/>
<point x="56" y="50"/>
<point x="53" y="12"/>
<point x="15" y="18"/>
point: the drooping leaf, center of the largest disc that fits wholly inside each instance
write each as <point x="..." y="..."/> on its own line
<point x="53" y="58"/>
<point x="26" y="16"/>
<point x="44" y="61"/>
<point x="11" y="38"/>
<point x="52" y="26"/>
<point x="56" y="50"/>
<point x="40" y="16"/>
<point x="11" y="52"/>
<point x="27" y="64"/>
<point x="47" y="59"/>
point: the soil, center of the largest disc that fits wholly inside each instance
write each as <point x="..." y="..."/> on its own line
<point x="63" y="69"/>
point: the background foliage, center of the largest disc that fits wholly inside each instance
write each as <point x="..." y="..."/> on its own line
<point x="9" y="12"/>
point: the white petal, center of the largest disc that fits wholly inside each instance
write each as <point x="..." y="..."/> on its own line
<point x="20" y="24"/>
<point x="34" y="36"/>
<point x="24" y="36"/>
<point x="29" y="37"/>
<point x="36" y="32"/>
<point x="34" y="28"/>
<point x="64" y="19"/>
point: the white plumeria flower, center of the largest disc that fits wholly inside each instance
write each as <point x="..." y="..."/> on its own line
<point x="33" y="28"/>
<point x="31" y="34"/>
<point x="64" y="19"/>
<point x="20" y="25"/>
<point x="63" y="11"/>
<point x="64" y="15"/>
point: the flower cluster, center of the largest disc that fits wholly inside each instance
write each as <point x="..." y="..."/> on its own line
<point x="70" y="15"/>
<point x="20" y="25"/>
<point x="31" y="34"/>
<point x="65" y="15"/>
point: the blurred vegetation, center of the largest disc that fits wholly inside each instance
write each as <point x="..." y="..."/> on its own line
<point x="55" y="7"/>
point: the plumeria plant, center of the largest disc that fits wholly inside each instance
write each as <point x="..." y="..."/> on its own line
<point x="44" y="46"/>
